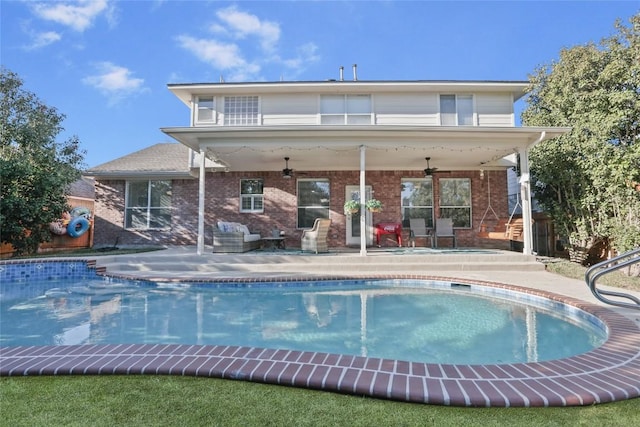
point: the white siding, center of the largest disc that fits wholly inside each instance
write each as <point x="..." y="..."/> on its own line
<point x="294" y="109"/>
<point x="406" y="109"/>
<point x="412" y="109"/>
<point x="494" y="109"/>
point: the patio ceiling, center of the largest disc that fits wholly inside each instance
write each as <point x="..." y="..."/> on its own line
<point x="338" y="147"/>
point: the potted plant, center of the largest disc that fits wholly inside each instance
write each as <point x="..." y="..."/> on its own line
<point x="374" y="205"/>
<point x="351" y="207"/>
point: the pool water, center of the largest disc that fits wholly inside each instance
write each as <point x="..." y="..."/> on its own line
<point x="420" y="321"/>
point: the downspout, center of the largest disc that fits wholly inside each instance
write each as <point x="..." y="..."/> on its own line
<point x="525" y="195"/>
<point x="200" y="247"/>
<point x="363" y="214"/>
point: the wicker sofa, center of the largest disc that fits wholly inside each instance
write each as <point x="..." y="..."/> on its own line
<point x="234" y="237"/>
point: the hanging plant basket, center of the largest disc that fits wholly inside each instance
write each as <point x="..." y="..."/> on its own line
<point x="351" y="207"/>
<point x="374" y="205"/>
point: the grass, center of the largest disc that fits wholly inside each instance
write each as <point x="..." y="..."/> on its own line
<point x="570" y="269"/>
<point x="186" y="401"/>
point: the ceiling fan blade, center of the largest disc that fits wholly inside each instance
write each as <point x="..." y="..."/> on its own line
<point x="429" y="170"/>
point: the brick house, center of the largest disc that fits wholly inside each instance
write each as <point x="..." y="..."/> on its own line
<point x="277" y="155"/>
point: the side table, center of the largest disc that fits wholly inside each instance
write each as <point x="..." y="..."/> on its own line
<point x="274" y="242"/>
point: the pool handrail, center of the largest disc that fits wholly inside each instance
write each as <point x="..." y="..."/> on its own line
<point x="594" y="272"/>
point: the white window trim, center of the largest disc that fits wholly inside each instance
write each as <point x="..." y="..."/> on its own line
<point x="432" y="206"/>
<point x="345" y="115"/>
<point x="214" y="111"/>
<point x="328" y="181"/>
<point x="252" y="196"/>
<point x="258" y="113"/>
<point x="469" y="207"/>
<point x="148" y="207"/>
<point x="474" y="113"/>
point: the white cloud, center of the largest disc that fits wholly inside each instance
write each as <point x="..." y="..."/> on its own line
<point x="243" y="24"/>
<point x="114" y="81"/>
<point x="43" y="39"/>
<point x="221" y="55"/>
<point x="235" y="34"/>
<point x="78" y="15"/>
<point x="306" y="54"/>
<point x="244" y="74"/>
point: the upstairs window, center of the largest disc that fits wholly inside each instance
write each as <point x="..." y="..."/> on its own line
<point x="456" y="110"/>
<point x="241" y="110"/>
<point x="345" y="109"/>
<point x="251" y="195"/>
<point x="313" y="201"/>
<point x="417" y="200"/>
<point x="455" y="200"/>
<point x="206" y="109"/>
<point x="148" y="205"/>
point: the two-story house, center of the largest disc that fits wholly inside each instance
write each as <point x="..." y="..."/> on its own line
<point x="278" y="155"/>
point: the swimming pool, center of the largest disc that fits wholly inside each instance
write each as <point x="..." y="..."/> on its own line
<point x="423" y="321"/>
<point x="609" y="372"/>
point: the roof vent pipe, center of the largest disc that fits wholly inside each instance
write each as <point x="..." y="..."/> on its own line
<point x="355" y="72"/>
<point x="341" y="73"/>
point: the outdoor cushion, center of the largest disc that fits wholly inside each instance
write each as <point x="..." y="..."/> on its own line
<point x="243" y="228"/>
<point x="252" y="237"/>
<point x="224" y="226"/>
<point x="235" y="227"/>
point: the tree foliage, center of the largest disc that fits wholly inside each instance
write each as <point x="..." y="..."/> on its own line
<point x="589" y="179"/>
<point x="35" y="169"/>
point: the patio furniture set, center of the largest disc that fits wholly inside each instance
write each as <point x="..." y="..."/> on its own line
<point x="236" y="237"/>
<point x="418" y="229"/>
<point x="443" y="228"/>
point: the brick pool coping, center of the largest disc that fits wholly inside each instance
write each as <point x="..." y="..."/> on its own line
<point x="606" y="374"/>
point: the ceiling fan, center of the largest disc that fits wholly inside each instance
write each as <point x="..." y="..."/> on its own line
<point x="286" y="172"/>
<point x="429" y="170"/>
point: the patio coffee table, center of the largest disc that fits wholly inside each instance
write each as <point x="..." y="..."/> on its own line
<point x="274" y="242"/>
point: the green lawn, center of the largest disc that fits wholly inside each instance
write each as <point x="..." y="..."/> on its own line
<point x="186" y="401"/>
<point x="576" y="271"/>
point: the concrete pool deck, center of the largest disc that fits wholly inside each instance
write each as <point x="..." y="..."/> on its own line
<point x="608" y="373"/>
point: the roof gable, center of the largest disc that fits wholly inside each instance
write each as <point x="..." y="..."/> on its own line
<point x="166" y="159"/>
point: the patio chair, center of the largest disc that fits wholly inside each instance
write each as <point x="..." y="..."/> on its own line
<point x="418" y="228"/>
<point x="315" y="239"/>
<point x="444" y="228"/>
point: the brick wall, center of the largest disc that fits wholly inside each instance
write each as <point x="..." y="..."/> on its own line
<point x="222" y="204"/>
<point x="109" y="217"/>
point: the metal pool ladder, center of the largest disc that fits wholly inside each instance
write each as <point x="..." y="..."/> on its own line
<point x="600" y="269"/>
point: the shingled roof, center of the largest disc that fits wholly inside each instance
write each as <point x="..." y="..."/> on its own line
<point x="82" y="188"/>
<point x="163" y="159"/>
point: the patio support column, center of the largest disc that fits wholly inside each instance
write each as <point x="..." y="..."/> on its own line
<point x="200" y="247"/>
<point x="363" y="214"/>
<point x="525" y="195"/>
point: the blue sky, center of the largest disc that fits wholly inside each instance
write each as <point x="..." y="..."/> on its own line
<point x="106" y="64"/>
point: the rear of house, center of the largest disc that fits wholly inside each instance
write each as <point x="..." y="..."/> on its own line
<point x="278" y="155"/>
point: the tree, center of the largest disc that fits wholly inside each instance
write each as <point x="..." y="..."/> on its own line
<point x="35" y="170"/>
<point x="588" y="180"/>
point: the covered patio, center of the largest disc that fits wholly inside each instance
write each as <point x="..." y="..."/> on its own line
<point x="363" y="148"/>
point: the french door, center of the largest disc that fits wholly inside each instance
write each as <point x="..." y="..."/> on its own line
<point x="352" y="192"/>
